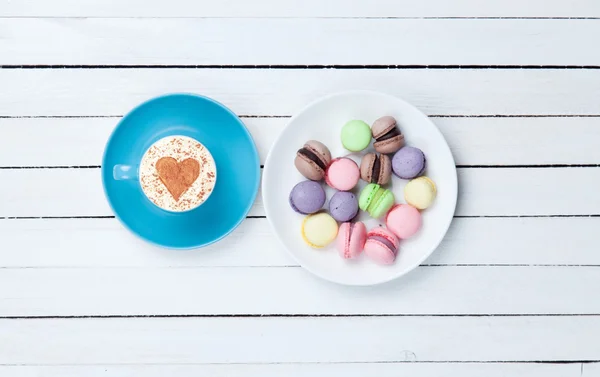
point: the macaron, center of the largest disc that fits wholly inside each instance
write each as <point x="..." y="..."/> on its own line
<point x="343" y="206"/>
<point x="381" y="246"/>
<point x="319" y="229"/>
<point x="342" y="174"/>
<point x="312" y="160"/>
<point x="351" y="239"/>
<point x="307" y="197"/>
<point x="356" y="135"/>
<point x="403" y="220"/>
<point x="376" y="200"/>
<point x="409" y="162"/>
<point x="376" y="168"/>
<point x="388" y="138"/>
<point x="420" y="192"/>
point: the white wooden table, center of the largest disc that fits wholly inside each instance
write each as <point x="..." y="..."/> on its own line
<point x="514" y="290"/>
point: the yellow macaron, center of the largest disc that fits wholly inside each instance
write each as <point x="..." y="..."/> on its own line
<point x="319" y="229"/>
<point x="420" y="192"/>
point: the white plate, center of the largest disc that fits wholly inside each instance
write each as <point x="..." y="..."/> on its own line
<point x="323" y="120"/>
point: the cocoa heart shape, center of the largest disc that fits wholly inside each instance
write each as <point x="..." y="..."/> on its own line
<point x="177" y="176"/>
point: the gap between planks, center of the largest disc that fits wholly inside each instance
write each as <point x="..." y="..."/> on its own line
<point x="264" y="217"/>
<point x="425" y="265"/>
<point x="306" y="18"/>
<point x="532" y="166"/>
<point x="297" y="67"/>
<point x="424" y="315"/>
<point x="583" y="361"/>
<point x="289" y="116"/>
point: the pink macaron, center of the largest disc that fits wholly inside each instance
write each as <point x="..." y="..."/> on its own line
<point x="403" y="220"/>
<point x="381" y="246"/>
<point x="342" y="174"/>
<point x="351" y="239"/>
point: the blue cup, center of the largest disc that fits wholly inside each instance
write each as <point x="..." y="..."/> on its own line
<point x="232" y="149"/>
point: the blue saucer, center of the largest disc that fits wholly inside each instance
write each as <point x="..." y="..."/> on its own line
<point x="231" y="145"/>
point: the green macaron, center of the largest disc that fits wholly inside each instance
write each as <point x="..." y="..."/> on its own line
<point x="376" y="200"/>
<point x="356" y="135"/>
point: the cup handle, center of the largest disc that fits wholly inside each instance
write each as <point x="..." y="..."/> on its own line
<point x="124" y="172"/>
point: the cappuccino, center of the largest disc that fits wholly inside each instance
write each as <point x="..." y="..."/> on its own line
<point x="177" y="173"/>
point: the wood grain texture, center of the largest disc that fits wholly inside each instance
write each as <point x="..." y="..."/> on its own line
<point x="300" y="8"/>
<point x="284" y="92"/>
<point x="482" y="192"/>
<point x="473" y="141"/>
<point x="291" y="290"/>
<point x="205" y="41"/>
<point x="285" y="340"/>
<point x="470" y="241"/>
<point x="351" y="369"/>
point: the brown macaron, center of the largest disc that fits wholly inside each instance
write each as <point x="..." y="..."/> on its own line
<point x="376" y="168"/>
<point x="388" y="138"/>
<point x="312" y="160"/>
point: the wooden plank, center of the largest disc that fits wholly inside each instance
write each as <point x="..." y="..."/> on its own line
<point x="474" y="141"/>
<point x="482" y="192"/>
<point x="470" y="241"/>
<point x="299" y="8"/>
<point x="232" y="41"/>
<point x="521" y="141"/>
<point x="161" y="341"/>
<point x="527" y="191"/>
<point x="58" y="243"/>
<point x="81" y="141"/>
<point x="261" y="91"/>
<point x="62" y="192"/>
<point x="290" y="290"/>
<point x="297" y="370"/>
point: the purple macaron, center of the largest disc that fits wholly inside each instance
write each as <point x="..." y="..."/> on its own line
<point x="343" y="206"/>
<point x="307" y="197"/>
<point x="409" y="163"/>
